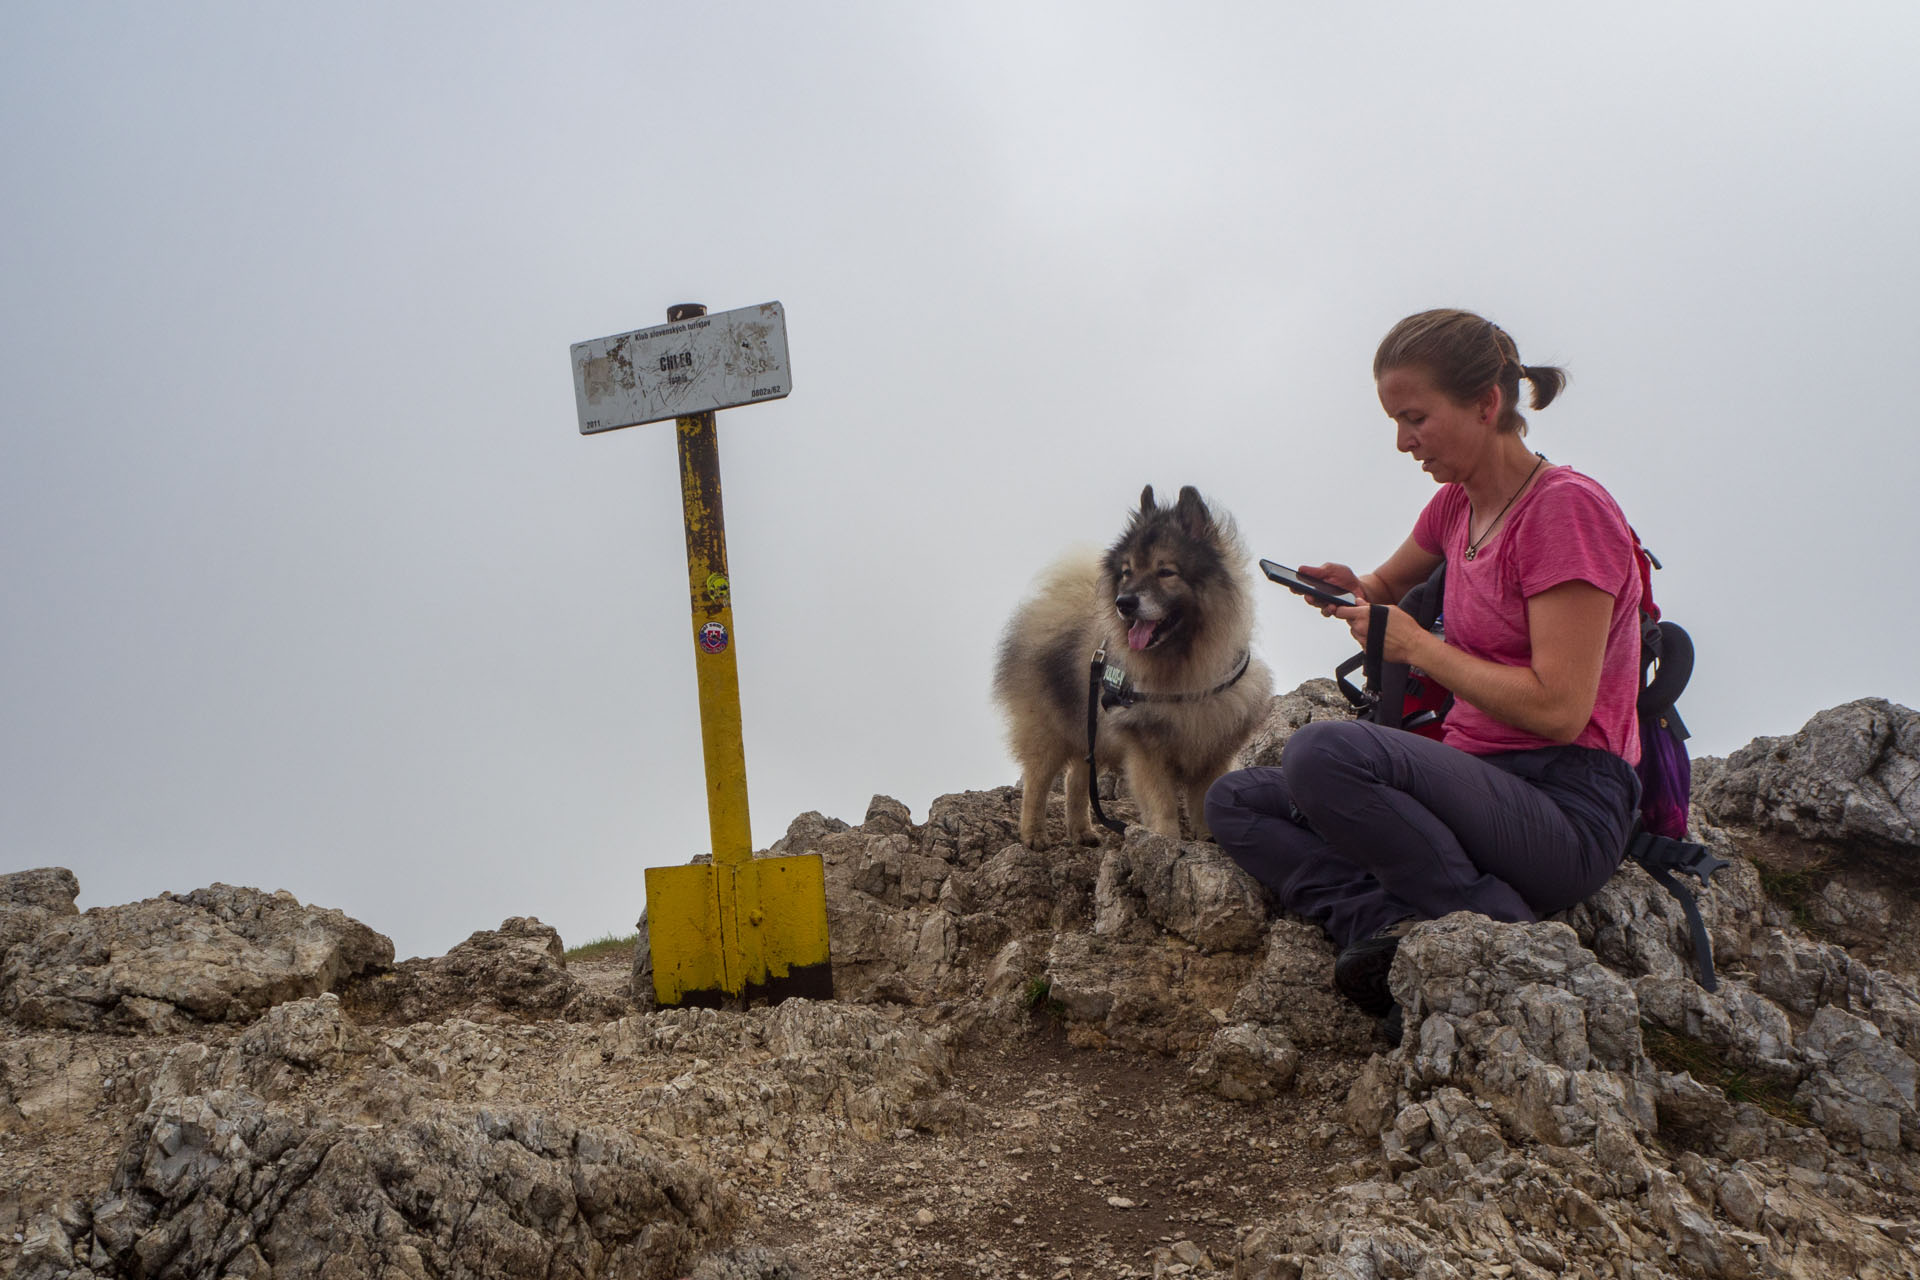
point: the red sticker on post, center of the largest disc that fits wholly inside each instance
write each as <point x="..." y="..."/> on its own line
<point x="713" y="637"/>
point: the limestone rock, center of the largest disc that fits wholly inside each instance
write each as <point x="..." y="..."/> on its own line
<point x="1861" y="1090"/>
<point x="1191" y="890"/>
<point x="1522" y="1020"/>
<point x="218" y="1185"/>
<point x="49" y="889"/>
<point x="805" y="833"/>
<point x="887" y="816"/>
<point x="294" y="1045"/>
<point x="1749" y="1029"/>
<point x="754" y="1262"/>
<point x="1319" y="699"/>
<point x="293" y="1042"/>
<point x="917" y="913"/>
<point x="763" y="1072"/>
<point x="1802" y="976"/>
<point x="518" y="970"/>
<point x="1854" y="915"/>
<point x="1141" y="994"/>
<point x="1637" y="927"/>
<point x="970" y="826"/>
<point x="868" y="941"/>
<point x="1568" y="1008"/>
<point x="30" y="901"/>
<point x="1523" y="1076"/>
<point x="1292" y="991"/>
<point x="1246" y="1062"/>
<point x="47" y="1083"/>
<point x="219" y="954"/>
<point x="640" y="985"/>
<point x="1849" y="774"/>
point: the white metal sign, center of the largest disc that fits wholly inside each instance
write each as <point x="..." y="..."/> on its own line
<point x="681" y="368"/>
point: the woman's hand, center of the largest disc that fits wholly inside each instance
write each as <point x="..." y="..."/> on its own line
<point x="1337" y="575"/>
<point x="1334" y="575"/>
<point x="1405" y="569"/>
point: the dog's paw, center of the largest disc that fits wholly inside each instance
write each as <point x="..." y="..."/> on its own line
<point x="1087" y="837"/>
<point x="1036" y="841"/>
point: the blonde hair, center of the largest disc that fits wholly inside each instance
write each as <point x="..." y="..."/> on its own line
<point x="1466" y="354"/>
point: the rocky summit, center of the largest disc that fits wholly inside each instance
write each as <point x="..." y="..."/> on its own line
<point x="1110" y="1061"/>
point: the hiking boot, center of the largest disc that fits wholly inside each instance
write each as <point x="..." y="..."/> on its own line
<point x="1393" y="1027"/>
<point x="1360" y="970"/>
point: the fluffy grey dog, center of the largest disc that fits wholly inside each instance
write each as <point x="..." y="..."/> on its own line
<point x="1170" y="603"/>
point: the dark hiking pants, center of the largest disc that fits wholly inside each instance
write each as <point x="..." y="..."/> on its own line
<point x="1361" y="826"/>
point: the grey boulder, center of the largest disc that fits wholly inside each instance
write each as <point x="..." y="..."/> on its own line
<point x="219" y="954"/>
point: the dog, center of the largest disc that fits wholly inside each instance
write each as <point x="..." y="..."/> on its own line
<point x="1170" y="604"/>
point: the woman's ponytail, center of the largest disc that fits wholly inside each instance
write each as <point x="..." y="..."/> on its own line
<point x="1548" y="381"/>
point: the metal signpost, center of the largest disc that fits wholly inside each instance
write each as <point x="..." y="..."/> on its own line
<point x="743" y="927"/>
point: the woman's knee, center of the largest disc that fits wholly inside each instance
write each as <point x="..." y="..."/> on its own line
<point x="1237" y="800"/>
<point x="1252" y="817"/>
<point x="1318" y="752"/>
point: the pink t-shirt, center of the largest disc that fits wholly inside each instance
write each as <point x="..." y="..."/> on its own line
<point x="1566" y="529"/>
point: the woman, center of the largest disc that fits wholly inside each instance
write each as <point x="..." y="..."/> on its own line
<point x="1525" y="806"/>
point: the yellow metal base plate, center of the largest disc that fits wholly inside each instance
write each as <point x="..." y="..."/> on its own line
<point x="743" y="930"/>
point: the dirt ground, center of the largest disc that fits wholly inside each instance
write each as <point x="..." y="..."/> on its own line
<point x="1074" y="1163"/>
<point x="1090" y="1164"/>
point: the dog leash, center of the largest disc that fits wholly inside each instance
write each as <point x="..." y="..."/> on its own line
<point x="1107" y="686"/>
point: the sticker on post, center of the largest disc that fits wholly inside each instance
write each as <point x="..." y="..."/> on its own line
<point x="713" y="637"/>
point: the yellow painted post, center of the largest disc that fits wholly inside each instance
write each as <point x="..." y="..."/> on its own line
<point x="742" y="927"/>
<point x="713" y="638"/>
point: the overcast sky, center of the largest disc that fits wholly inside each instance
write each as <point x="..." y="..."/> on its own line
<point x="312" y="583"/>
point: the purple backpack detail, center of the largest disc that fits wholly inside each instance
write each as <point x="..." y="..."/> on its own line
<point x="1660" y="845"/>
<point x="1666" y="780"/>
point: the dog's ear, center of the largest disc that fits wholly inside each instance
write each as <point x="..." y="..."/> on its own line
<point x="1191" y="511"/>
<point x="1146" y="501"/>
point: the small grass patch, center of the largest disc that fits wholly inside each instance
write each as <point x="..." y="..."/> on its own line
<point x="1037" y="999"/>
<point x="1708" y="1064"/>
<point x="603" y="946"/>
<point x="1795" y="888"/>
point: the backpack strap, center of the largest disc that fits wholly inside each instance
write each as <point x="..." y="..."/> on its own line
<point x="1660" y="858"/>
<point x="1390" y="678"/>
<point x="1647" y="563"/>
<point x="1384" y="699"/>
<point x="1360" y="702"/>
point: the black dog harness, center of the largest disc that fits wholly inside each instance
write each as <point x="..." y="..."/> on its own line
<point x="1108" y="687"/>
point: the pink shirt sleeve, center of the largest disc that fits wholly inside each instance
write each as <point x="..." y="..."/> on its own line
<point x="1573" y="534"/>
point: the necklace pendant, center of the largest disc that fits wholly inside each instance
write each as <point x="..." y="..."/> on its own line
<point x="1472" y="552"/>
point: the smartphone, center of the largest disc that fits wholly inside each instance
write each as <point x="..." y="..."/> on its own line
<point x="1312" y="588"/>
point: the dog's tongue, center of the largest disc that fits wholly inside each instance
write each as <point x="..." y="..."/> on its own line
<point x="1140" y="634"/>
